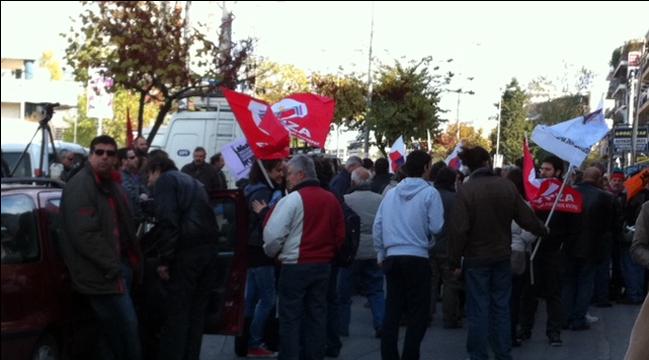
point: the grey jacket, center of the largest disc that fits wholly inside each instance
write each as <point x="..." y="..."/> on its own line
<point x="640" y="245"/>
<point x="365" y="203"/>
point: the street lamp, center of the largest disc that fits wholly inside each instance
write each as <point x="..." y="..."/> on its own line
<point x="457" y="118"/>
<point x="497" y="159"/>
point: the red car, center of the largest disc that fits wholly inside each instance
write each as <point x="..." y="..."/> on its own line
<point x="42" y="317"/>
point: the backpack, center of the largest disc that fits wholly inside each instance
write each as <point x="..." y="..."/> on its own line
<point x="347" y="253"/>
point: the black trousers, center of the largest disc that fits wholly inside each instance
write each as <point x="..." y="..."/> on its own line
<point x="547" y="285"/>
<point x="408" y="284"/>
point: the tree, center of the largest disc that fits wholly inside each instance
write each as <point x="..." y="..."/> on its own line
<point x="52" y="65"/>
<point x="145" y="48"/>
<point x="275" y="81"/>
<point x="513" y="122"/>
<point x="560" y="109"/>
<point x="405" y="102"/>
<point x="350" y="93"/>
<point x="471" y="137"/>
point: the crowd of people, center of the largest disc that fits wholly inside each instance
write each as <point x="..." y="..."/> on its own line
<point x="429" y="233"/>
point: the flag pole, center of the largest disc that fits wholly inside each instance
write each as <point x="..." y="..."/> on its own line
<point x="547" y="221"/>
<point x="263" y="171"/>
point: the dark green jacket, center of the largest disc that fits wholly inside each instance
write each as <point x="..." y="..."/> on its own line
<point x="90" y="247"/>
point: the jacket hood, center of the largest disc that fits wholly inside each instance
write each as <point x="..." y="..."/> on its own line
<point x="408" y="188"/>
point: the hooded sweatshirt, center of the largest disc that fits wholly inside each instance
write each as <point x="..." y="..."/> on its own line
<point x="406" y="220"/>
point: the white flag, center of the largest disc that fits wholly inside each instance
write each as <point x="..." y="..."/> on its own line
<point x="571" y="140"/>
<point x="238" y="157"/>
<point x="397" y="155"/>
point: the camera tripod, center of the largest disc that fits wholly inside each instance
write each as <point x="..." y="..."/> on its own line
<point x="46" y="111"/>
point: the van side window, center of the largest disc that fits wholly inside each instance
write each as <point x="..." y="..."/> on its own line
<point x="19" y="230"/>
<point x="24" y="169"/>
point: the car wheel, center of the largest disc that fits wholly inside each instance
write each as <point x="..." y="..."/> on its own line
<point x="46" y="349"/>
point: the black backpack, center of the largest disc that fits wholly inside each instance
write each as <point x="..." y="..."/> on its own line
<point x="347" y="253"/>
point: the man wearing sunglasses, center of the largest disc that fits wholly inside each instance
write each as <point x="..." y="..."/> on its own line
<point x="100" y="250"/>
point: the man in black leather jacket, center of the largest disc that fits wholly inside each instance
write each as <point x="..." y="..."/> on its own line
<point x="188" y="255"/>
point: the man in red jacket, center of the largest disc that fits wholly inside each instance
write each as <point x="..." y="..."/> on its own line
<point x="304" y="231"/>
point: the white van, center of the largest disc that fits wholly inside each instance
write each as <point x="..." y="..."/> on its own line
<point x="209" y="129"/>
<point x="29" y="166"/>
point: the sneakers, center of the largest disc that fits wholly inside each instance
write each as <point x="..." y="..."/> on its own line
<point x="591" y="319"/>
<point x="261" y="352"/>
<point x="555" y="340"/>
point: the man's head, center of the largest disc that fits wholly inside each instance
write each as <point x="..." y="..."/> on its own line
<point x="103" y="155"/>
<point x="475" y="158"/>
<point x="300" y="168"/>
<point x="592" y="175"/>
<point x="352" y="163"/>
<point x="140" y="145"/>
<point x="361" y="177"/>
<point x="199" y="156"/>
<point x="158" y="164"/>
<point x="368" y="164"/>
<point x="417" y="164"/>
<point x="617" y="180"/>
<point x="551" y="167"/>
<point x="217" y="161"/>
<point x="67" y="159"/>
<point x="381" y="166"/>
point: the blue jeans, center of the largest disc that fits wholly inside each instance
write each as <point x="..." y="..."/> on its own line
<point x="371" y="284"/>
<point x="578" y="284"/>
<point x="488" y="292"/>
<point x="260" y="299"/>
<point x="303" y="310"/>
<point x="634" y="276"/>
<point x="116" y="317"/>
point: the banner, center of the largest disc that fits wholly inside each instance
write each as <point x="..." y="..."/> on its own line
<point x="530" y="182"/>
<point x="238" y="157"/>
<point x="636" y="183"/>
<point x="570" y="200"/>
<point x="306" y="116"/>
<point x="571" y="140"/>
<point x="267" y="138"/>
<point x="453" y="160"/>
<point x="397" y="156"/>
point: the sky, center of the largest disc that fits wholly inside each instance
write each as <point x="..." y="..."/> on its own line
<point x="491" y="42"/>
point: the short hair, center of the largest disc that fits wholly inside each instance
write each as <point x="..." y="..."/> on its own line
<point x="324" y="169"/>
<point x="160" y="161"/>
<point x="354" y="160"/>
<point x="515" y="175"/>
<point x="368" y="163"/>
<point x="416" y="163"/>
<point x="305" y="164"/>
<point x="216" y="157"/>
<point x="474" y="158"/>
<point x="381" y="166"/>
<point x="256" y="175"/>
<point x="201" y="149"/>
<point x="102" y="139"/>
<point x="122" y="153"/>
<point x="435" y="169"/>
<point x="361" y="176"/>
<point x="446" y="178"/>
<point x="556" y="163"/>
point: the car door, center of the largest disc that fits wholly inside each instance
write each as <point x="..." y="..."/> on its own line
<point x="227" y="306"/>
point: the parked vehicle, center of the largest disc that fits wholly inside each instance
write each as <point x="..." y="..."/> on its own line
<point x="30" y="163"/>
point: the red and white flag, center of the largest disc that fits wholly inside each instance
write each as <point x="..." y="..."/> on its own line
<point x="397" y="156"/>
<point x="453" y="160"/>
<point x="306" y="116"/>
<point x="530" y="182"/>
<point x="268" y="139"/>
<point x="570" y="200"/>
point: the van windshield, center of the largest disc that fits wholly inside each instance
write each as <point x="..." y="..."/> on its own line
<point x="24" y="169"/>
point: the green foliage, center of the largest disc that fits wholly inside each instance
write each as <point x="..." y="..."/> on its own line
<point x="513" y="123"/>
<point x="144" y="48"/>
<point x="350" y="93"/>
<point x="471" y="137"/>
<point x="405" y="102"/>
<point x="559" y="109"/>
<point x="275" y="81"/>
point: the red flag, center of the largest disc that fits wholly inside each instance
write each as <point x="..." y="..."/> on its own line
<point x="636" y="183"/>
<point x="268" y="139"/>
<point x="570" y="201"/>
<point x="129" y="129"/>
<point x="529" y="174"/>
<point x="306" y="116"/>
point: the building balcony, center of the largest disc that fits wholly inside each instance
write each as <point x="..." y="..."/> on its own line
<point x="619" y="71"/>
<point x="620" y="89"/>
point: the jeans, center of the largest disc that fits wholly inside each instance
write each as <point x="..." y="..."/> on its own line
<point x="578" y="283"/>
<point x="116" y="317"/>
<point x="371" y="283"/>
<point x="260" y="299"/>
<point x="302" y="310"/>
<point x="192" y="276"/>
<point x="488" y="291"/>
<point x="634" y="276"/>
<point x="408" y="284"/>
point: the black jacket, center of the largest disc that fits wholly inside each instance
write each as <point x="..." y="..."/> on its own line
<point x="184" y="215"/>
<point x="597" y="224"/>
<point x="206" y="174"/>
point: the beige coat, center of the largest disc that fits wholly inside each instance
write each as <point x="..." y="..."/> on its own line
<point x="639" y="341"/>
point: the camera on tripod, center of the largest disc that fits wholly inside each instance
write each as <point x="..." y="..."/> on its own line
<point x="42" y="112"/>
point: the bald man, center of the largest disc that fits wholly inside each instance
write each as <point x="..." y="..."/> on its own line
<point x="590" y="249"/>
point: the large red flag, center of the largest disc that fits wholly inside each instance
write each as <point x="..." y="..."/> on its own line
<point x="306" y="116"/>
<point x="570" y="200"/>
<point x="529" y="174"/>
<point x="268" y="139"/>
<point x="129" y="129"/>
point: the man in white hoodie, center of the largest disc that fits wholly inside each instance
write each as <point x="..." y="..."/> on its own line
<point x="406" y="220"/>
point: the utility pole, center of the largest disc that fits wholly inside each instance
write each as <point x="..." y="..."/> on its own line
<point x="633" y="122"/>
<point x="366" y="135"/>
<point x="497" y="159"/>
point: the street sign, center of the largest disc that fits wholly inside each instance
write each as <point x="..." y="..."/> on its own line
<point x="622" y="139"/>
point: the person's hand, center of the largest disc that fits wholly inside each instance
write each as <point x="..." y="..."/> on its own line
<point x="163" y="272"/>
<point x="258" y="206"/>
